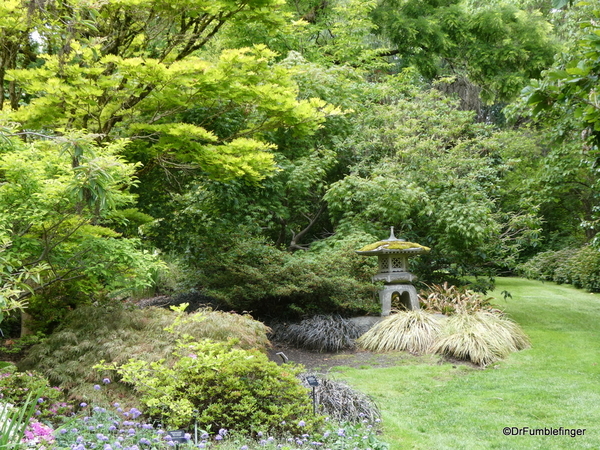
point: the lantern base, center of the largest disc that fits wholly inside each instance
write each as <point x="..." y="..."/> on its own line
<point x="407" y="293"/>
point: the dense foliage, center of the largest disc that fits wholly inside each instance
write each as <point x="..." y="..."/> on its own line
<point x="577" y="266"/>
<point x="218" y="386"/>
<point x="257" y="144"/>
<point x="116" y="333"/>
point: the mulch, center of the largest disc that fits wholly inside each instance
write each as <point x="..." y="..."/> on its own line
<point x="325" y="361"/>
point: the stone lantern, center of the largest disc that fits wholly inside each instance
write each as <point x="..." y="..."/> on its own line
<point x="393" y="254"/>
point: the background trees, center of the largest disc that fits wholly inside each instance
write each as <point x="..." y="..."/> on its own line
<point x="257" y="143"/>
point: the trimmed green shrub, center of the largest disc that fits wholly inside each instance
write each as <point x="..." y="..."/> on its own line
<point x="320" y="333"/>
<point x="544" y="265"/>
<point x="219" y="386"/>
<point x="481" y="337"/>
<point x="579" y="267"/>
<point x="413" y="331"/>
<point x="117" y="333"/>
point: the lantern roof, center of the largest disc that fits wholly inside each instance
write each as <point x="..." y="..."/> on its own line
<point x="393" y="245"/>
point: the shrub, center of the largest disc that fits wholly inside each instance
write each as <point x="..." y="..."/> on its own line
<point x="250" y="275"/>
<point x="544" y="265"/>
<point x="338" y="401"/>
<point x="116" y="333"/>
<point x="579" y="267"/>
<point x="320" y="333"/>
<point x="219" y="387"/>
<point x="447" y="299"/>
<point x="413" y="331"/>
<point x="481" y="338"/>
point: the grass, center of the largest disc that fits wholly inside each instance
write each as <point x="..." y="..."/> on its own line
<point x="554" y="383"/>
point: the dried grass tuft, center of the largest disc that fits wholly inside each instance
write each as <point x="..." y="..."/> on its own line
<point x="340" y="402"/>
<point x="482" y="338"/>
<point x="412" y="331"/>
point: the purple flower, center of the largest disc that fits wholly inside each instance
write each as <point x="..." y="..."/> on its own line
<point x="83" y="405"/>
<point x="106" y="380"/>
<point x="244" y="447"/>
<point x="187" y="436"/>
<point x="218" y="437"/>
<point x="40" y="400"/>
<point x="341" y="432"/>
<point x="97" y="387"/>
<point x="302" y="423"/>
<point x="222" y="431"/>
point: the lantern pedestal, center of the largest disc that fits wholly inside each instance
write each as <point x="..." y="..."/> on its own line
<point x="406" y="292"/>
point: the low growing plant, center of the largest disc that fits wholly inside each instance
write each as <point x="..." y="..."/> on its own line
<point x="119" y="332"/>
<point x="218" y="386"/>
<point x="15" y="388"/>
<point x="15" y="419"/>
<point x="117" y="427"/>
<point x="412" y="331"/>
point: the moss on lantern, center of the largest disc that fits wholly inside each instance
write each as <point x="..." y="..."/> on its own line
<point x="394" y="245"/>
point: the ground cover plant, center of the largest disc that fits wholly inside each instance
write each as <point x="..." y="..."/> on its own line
<point x="117" y="427"/>
<point x="426" y="403"/>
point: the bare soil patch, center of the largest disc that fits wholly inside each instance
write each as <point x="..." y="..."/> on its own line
<point x="323" y="361"/>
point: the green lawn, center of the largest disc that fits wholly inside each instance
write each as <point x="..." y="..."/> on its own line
<point x="555" y="384"/>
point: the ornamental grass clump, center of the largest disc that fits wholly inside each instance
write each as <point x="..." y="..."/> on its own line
<point x="481" y="337"/>
<point x="448" y="299"/>
<point x="321" y="333"/>
<point x="340" y="402"/>
<point x="412" y="331"/>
